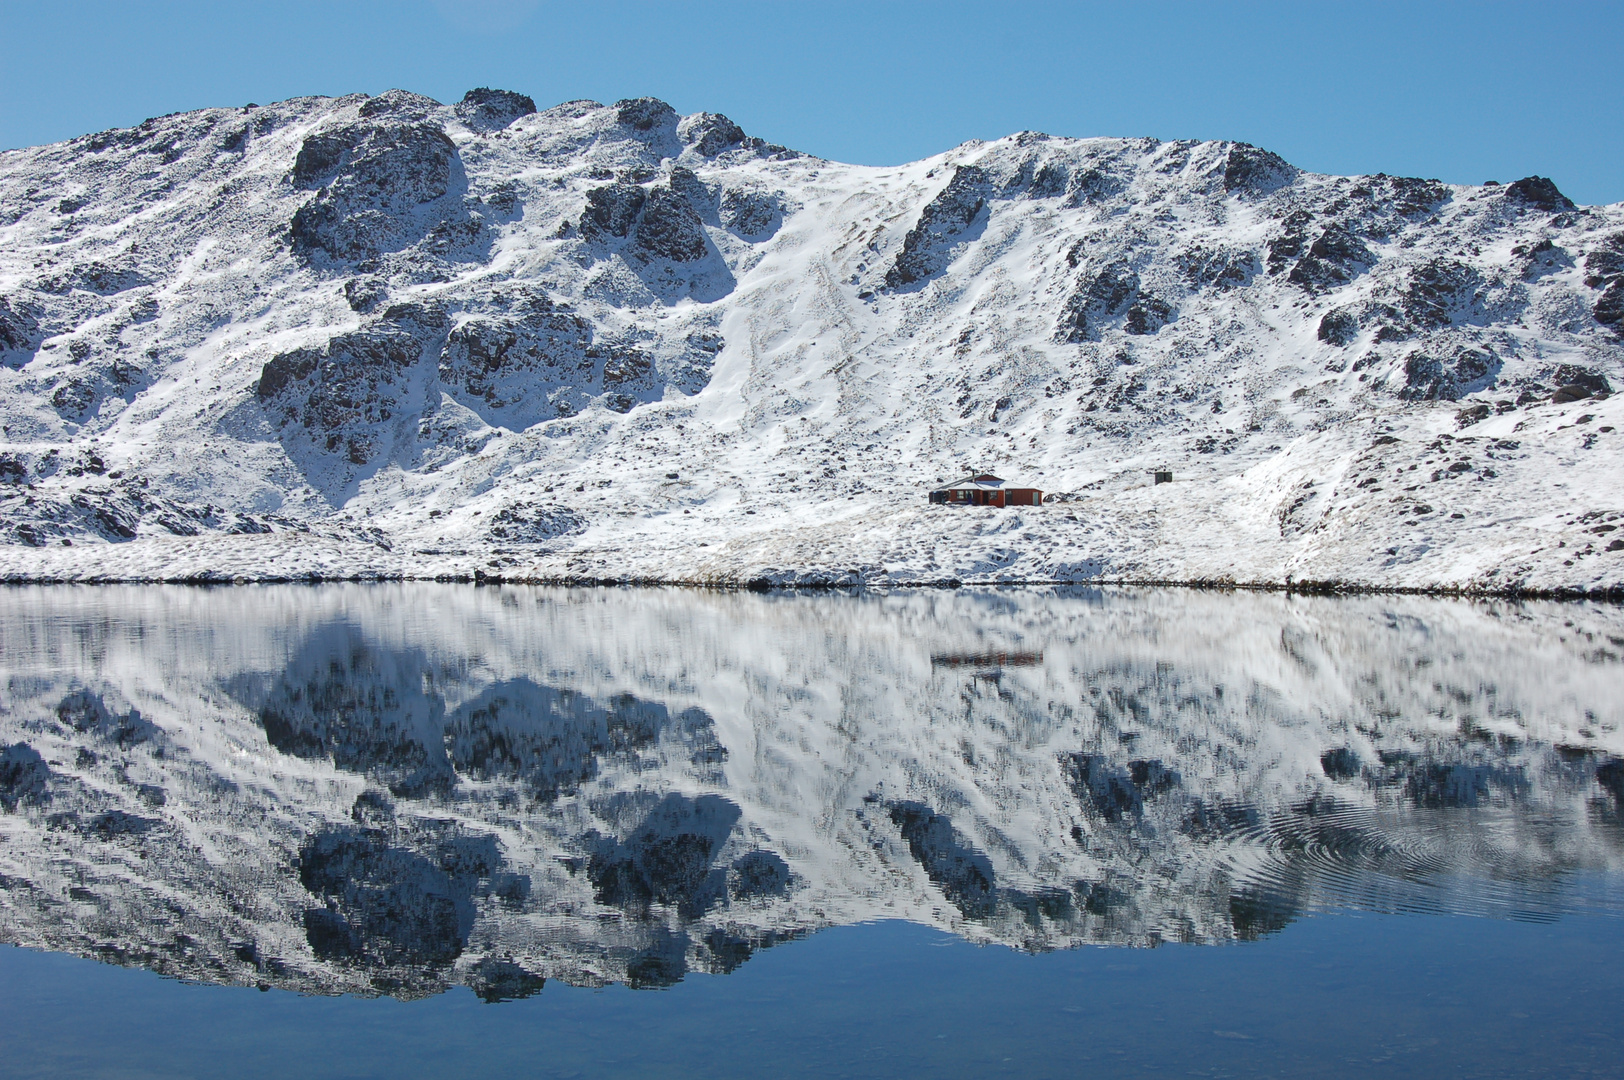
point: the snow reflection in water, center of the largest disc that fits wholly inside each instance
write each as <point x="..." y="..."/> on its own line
<point x="395" y="789"/>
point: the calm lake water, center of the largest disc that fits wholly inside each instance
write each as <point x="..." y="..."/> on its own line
<point x="417" y="830"/>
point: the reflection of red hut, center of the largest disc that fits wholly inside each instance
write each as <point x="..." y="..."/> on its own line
<point x="985" y="489"/>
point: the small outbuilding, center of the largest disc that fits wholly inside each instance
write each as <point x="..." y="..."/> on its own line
<point x="985" y="489"/>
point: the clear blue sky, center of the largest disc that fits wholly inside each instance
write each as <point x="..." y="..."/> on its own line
<point x="1463" y="92"/>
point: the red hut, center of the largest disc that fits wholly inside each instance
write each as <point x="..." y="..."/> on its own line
<point x="985" y="489"/>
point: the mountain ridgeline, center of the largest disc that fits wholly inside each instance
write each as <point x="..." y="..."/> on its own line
<point x="381" y="335"/>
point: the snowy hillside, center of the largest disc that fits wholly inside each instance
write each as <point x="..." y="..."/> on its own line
<point x="398" y="788"/>
<point x="384" y="336"/>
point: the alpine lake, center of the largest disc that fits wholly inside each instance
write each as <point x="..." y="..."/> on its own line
<point x="401" y="830"/>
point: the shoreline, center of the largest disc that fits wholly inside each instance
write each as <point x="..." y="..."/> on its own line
<point x="1609" y="594"/>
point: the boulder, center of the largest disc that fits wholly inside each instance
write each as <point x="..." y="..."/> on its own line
<point x="1575" y="382"/>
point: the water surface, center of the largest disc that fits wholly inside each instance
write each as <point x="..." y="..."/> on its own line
<point x="404" y="829"/>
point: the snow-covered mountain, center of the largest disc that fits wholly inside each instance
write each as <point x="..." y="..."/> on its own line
<point x="385" y="336"/>
<point x="399" y="788"/>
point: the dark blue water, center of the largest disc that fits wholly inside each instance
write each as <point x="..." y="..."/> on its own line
<point x="1335" y="995"/>
<point x="401" y="831"/>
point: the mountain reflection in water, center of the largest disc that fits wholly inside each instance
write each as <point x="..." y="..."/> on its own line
<point x="394" y="789"/>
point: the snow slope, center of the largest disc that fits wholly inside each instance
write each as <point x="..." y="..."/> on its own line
<point x="395" y="788"/>
<point x="380" y="336"/>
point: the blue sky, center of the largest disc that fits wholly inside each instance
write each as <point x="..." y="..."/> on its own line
<point x="1462" y="92"/>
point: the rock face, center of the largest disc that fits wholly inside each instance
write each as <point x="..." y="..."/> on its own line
<point x="378" y="335"/>
<point x="394" y="790"/>
<point x="942" y="224"/>
<point x="485" y="109"/>
<point x="1539" y="194"/>
<point x="377" y="185"/>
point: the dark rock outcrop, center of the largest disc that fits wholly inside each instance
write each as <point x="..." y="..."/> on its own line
<point x="964" y="874"/>
<point x="710" y="133"/>
<point x="550" y="740"/>
<point x="340" y="393"/>
<point x="1604" y="270"/>
<point x="645" y="114"/>
<point x="669" y="228"/>
<point x="525" y="367"/>
<point x="95" y="277"/>
<point x="364" y="294"/>
<point x="1408" y="196"/>
<point x="341" y="700"/>
<point x="532" y="523"/>
<point x="1439" y="293"/>
<point x="945" y="221"/>
<point x="20" y="334"/>
<point x="1253" y="171"/>
<point x="1218" y="268"/>
<point x="1341" y="763"/>
<point x="754" y="215"/>
<point x="513" y="368"/>
<point x="1339" y="326"/>
<point x="484" y="109"/>
<point x="1147" y="315"/>
<point x="494" y="981"/>
<point x="1605" y="263"/>
<point x="1100" y="296"/>
<point x="87" y="713"/>
<point x="1538" y="193"/>
<point x="1291" y="241"/>
<point x="1335" y="258"/>
<point x="399" y="105"/>
<point x="612" y="210"/>
<point x="1609" y="309"/>
<point x="1574" y="383"/>
<point x="759" y="873"/>
<point x="1113" y="792"/>
<point x="1433" y="378"/>
<point x="374" y="183"/>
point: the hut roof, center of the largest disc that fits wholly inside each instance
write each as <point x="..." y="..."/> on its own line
<point x="977" y="481"/>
